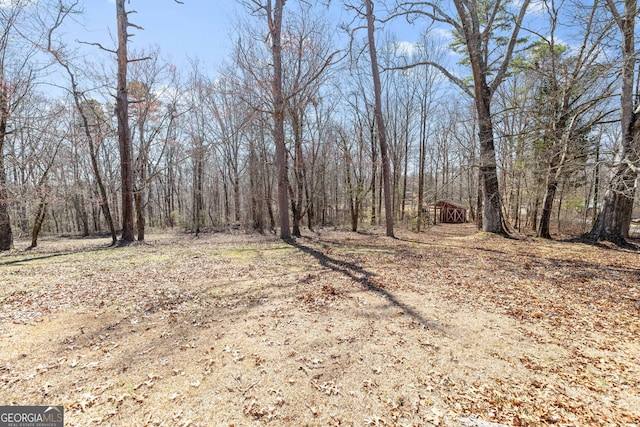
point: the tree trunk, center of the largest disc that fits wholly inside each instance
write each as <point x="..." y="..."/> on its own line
<point x="39" y="219"/>
<point x="198" y="177"/>
<point x="613" y="221"/>
<point x="275" y="27"/>
<point x="236" y="196"/>
<point x="405" y="168"/>
<point x="140" y="221"/>
<point x="257" y="216"/>
<point x="268" y="189"/>
<point x="295" y="213"/>
<point x="6" y="235"/>
<point x="534" y="213"/>
<point x="374" y="175"/>
<point x="104" y="199"/>
<point x="351" y="191"/>
<point x="492" y="220"/>
<point x="555" y="165"/>
<point x="596" y="185"/>
<point x="480" y="52"/>
<point x="297" y="196"/>
<point x="81" y="212"/>
<point x="382" y="133"/>
<point x="310" y="206"/>
<point x="140" y="187"/>
<point x="422" y="162"/>
<point x="124" y="132"/>
<point x="355" y="213"/>
<point x="547" y="206"/>
<point x="479" y="202"/>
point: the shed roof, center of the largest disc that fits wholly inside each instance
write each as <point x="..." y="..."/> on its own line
<point x="443" y="203"/>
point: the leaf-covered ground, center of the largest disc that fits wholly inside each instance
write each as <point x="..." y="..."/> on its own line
<point x="449" y="327"/>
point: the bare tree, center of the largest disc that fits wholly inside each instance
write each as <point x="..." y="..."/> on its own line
<point x="16" y="80"/>
<point x="294" y="71"/>
<point x="273" y="11"/>
<point x="353" y="145"/>
<point x="480" y="27"/>
<point x="153" y="93"/>
<point x="89" y="111"/>
<point x="231" y="118"/>
<point x="572" y="88"/>
<point x="122" y="115"/>
<point x="43" y="189"/>
<point x="382" y="132"/>
<point x="613" y="221"/>
<point x="200" y="141"/>
<point x="309" y="55"/>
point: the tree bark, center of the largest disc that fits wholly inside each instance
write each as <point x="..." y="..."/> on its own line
<point x="547" y="204"/>
<point x="81" y="212"/>
<point x="198" y="178"/>
<point x="558" y="155"/>
<point x="6" y="235"/>
<point x="39" y="219"/>
<point x="422" y="160"/>
<point x="596" y="185"/>
<point x="275" y="29"/>
<point x="124" y="132"/>
<point x="104" y="199"/>
<point x="257" y="215"/>
<point x="354" y="202"/>
<point x="374" y="176"/>
<point x="382" y="133"/>
<point x="140" y="219"/>
<point x="141" y="184"/>
<point x="492" y="220"/>
<point x="297" y="197"/>
<point x="614" y="219"/>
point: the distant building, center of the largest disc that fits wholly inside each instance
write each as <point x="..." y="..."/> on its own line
<point x="451" y="212"/>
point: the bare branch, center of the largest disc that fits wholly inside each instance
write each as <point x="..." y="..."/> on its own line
<point x="99" y="45"/>
<point x="137" y="27"/>
<point x="146" y="58"/>
<point x="506" y="58"/>
<point x="456" y="80"/>
<point x="411" y="10"/>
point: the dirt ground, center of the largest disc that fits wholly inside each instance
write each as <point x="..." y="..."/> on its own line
<point x="448" y="327"/>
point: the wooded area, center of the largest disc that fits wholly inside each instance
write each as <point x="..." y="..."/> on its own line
<point x="532" y="126"/>
<point x="285" y="275"/>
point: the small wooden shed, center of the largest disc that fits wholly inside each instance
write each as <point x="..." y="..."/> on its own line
<point x="451" y="212"/>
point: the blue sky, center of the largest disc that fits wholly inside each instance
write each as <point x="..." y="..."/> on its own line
<point x="197" y="28"/>
<point x="202" y="29"/>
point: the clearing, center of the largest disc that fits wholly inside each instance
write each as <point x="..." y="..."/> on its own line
<point x="447" y="327"/>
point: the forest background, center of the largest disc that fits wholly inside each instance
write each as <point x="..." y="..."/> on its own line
<point x="522" y="112"/>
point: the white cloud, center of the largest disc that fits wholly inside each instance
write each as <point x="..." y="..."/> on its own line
<point x="404" y="48"/>
<point x="537" y="7"/>
<point x="444" y="34"/>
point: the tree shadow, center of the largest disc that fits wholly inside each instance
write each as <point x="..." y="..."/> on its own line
<point x="52" y="255"/>
<point x="364" y="277"/>
<point x="614" y="244"/>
